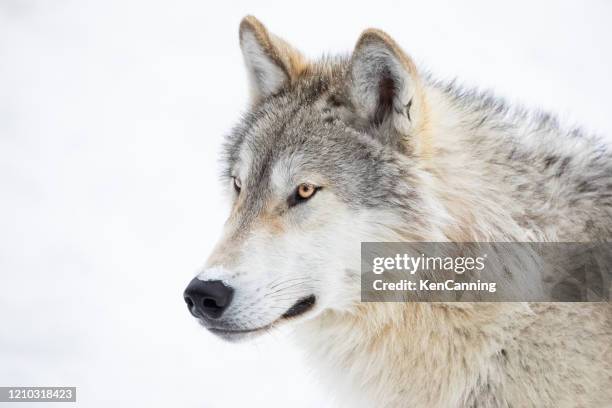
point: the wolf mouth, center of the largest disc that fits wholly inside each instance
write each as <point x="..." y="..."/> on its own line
<point x="300" y="307"/>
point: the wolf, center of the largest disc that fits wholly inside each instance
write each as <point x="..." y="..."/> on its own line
<point x="369" y="148"/>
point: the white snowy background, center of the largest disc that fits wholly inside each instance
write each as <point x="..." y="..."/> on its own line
<point x="112" y="113"/>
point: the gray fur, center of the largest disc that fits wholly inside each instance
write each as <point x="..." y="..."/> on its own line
<point x="409" y="158"/>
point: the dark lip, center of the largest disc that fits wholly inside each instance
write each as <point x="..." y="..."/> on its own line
<point x="245" y="331"/>
<point x="300" y="307"/>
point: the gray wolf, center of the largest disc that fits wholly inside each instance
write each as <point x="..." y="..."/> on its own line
<point x="367" y="147"/>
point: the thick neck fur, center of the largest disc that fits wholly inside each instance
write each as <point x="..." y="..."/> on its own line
<point x="506" y="174"/>
<point x="461" y="177"/>
<point x="381" y="346"/>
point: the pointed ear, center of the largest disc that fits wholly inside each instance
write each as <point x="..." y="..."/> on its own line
<point x="271" y="63"/>
<point x="385" y="85"/>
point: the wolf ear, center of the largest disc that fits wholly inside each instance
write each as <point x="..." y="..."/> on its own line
<point x="385" y="86"/>
<point x="271" y="63"/>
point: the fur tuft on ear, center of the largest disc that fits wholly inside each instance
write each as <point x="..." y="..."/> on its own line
<point x="271" y="63"/>
<point x="385" y="84"/>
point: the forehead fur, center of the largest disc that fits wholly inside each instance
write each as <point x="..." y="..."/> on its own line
<point x="317" y="81"/>
<point x="310" y="121"/>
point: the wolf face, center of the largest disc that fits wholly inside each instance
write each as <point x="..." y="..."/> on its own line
<point x="323" y="161"/>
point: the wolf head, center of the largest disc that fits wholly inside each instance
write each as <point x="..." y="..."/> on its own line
<point x="325" y="158"/>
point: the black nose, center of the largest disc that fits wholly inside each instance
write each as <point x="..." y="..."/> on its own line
<point x="207" y="299"/>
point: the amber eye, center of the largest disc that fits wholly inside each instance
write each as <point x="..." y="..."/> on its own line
<point x="305" y="190"/>
<point x="237" y="184"/>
